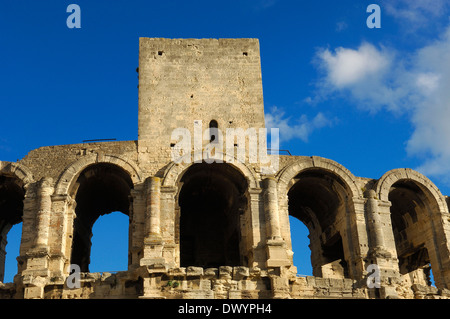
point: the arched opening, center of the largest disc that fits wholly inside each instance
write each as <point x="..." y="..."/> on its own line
<point x="100" y="189"/>
<point x="213" y="131"/>
<point x="318" y="199"/>
<point x="14" y="239"/>
<point x="411" y="225"/>
<point x="12" y="195"/>
<point x="300" y="246"/>
<point x="211" y="201"/>
<point x="109" y="250"/>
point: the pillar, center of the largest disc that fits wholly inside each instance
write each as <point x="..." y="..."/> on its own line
<point x="37" y="258"/>
<point x="381" y="246"/>
<point x="60" y="230"/>
<point x="275" y="245"/>
<point x="137" y="223"/>
<point x="271" y="209"/>
<point x="153" y="221"/>
<point x="153" y="244"/>
<point x="44" y="192"/>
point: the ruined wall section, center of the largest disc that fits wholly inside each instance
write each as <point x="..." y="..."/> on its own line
<point x="184" y="80"/>
<point x="51" y="161"/>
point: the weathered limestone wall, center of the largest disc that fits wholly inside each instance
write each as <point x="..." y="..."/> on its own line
<point x="367" y="238"/>
<point x="184" y="80"/>
<point x="50" y="161"/>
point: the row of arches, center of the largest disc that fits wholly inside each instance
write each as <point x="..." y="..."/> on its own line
<point x="215" y="214"/>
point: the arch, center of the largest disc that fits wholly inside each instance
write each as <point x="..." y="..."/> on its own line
<point x="286" y="175"/>
<point x="19" y="170"/>
<point x="100" y="188"/>
<point x="418" y="214"/>
<point x="212" y="200"/>
<point x="174" y="171"/>
<point x="323" y="195"/>
<point x="14" y="179"/>
<point x="71" y="173"/>
<point x="384" y="184"/>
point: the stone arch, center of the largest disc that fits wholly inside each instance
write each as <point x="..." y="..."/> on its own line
<point x="178" y="175"/>
<point x="70" y="174"/>
<point x="332" y="191"/>
<point x="67" y="184"/>
<point x="385" y="183"/>
<point x="174" y="171"/>
<point x="19" y="170"/>
<point x="14" y="180"/>
<point x="419" y="215"/>
<point x="286" y="175"/>
<point x="100" y="189"/>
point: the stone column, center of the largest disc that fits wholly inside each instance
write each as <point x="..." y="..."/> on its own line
<point x="373" y="222"/>
<point x="45" y="191"/>
<point x="275" y="245"/>
<point x="153" y="244"/>
<point x="381" y="254"/>
<point x="37" y="258"/>
<point x="153" y="222"/>
<point x="61" y="221"/>
<point x="137" y="223"/>
<point x="256" y="231"/>
<point x="153" y="264"/>
<point x="271" y="209"/>
<point x="167" y="225"/>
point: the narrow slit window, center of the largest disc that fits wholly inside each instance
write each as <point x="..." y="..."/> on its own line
<point x="213" y="130"/>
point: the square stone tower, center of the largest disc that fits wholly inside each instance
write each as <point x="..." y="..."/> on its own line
<point x="182" y="81"/>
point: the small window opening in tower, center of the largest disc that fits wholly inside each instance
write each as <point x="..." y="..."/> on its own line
<point x="213" y="130"/>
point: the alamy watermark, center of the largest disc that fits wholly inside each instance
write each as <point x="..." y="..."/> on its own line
<point x="373" y="279"/>
<point x="74" y="19"/>
<point x="374" y="19"/>
<point x="73" y="280"/>
<point x="237" y="144"/>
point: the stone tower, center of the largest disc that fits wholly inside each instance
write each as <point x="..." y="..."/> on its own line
<point x="216" y="229"/>
<point x="192" y="83"/>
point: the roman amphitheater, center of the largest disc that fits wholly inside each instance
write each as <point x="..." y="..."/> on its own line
<point x="217" y="230"/>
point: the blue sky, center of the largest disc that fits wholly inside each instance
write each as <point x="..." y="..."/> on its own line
<point x="370" y="99"/>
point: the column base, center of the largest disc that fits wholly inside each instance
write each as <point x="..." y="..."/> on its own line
<point x="276" y="253"/>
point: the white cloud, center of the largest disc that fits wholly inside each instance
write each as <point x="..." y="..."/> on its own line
<point x="416" y="85"/>
<point x="367" y="73"/>
<point x="300" y="128"/>
<point x="347" y="66"/>
<point x="416" y="13"/>
<point x="427" y="82"/>
<point x="431" y="118"/>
